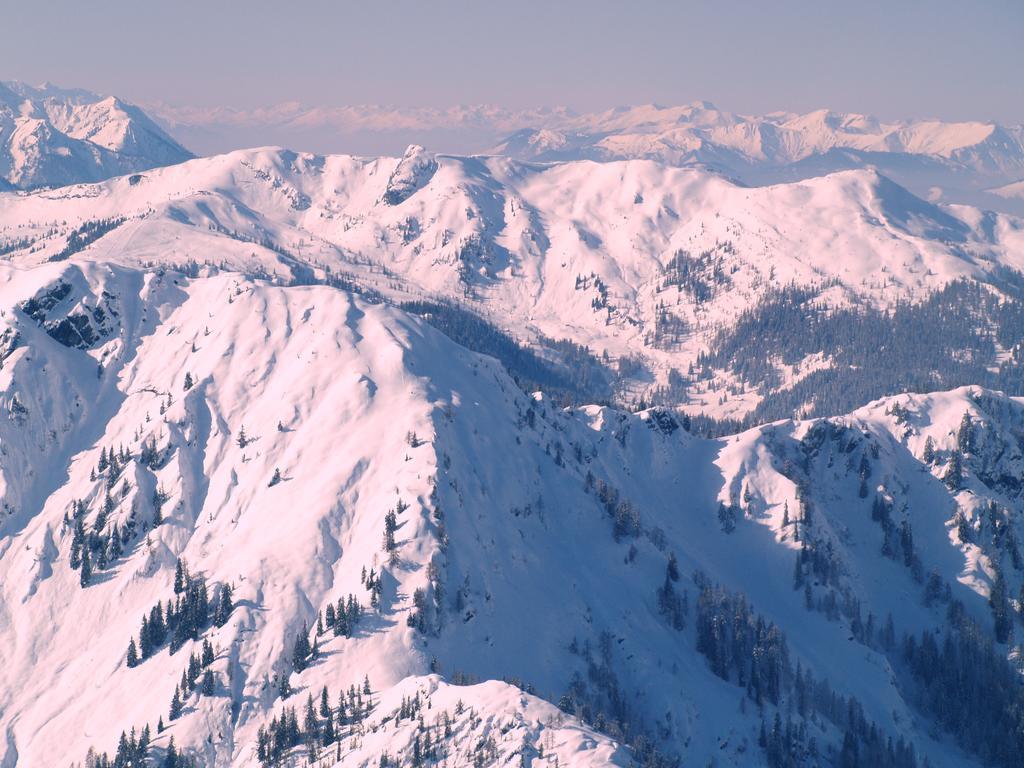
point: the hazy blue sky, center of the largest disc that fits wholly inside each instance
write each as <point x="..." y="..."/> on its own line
<point x="902" y="58"/>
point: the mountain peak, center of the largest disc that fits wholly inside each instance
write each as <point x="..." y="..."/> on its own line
<point x="89" y="137"/>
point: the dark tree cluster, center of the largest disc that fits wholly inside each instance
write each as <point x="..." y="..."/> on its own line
<point x="701" y="276"/>
<point x="673" y="606"/>
<point x="132" y="752"/>
<point x="374" y="583"/>
<point x="739" y="645"/>
<point x="728" y="514"/>
<point x="390" y="526"/>
<point x="85" y="235"/>
<point x="196" y="676"/>
<point x="183" y="618"/>
<point x="897" y="540"/>
<point x="579" y="377"/>
<point x="971" y="690"/>
<point x="947" y="340"/>
<point x="343" y="618"/>
<point x="586" y="282"/>
<point x="151" y="456"/>
<point x="99" y="546"/>
<point x="160" y="497"/>
<point x="624" y="515"/>
<point x="321" y="726"/>
<point x="303" y="652"/>
<point x="745" y="649"/>
<point x="599" y="700"/>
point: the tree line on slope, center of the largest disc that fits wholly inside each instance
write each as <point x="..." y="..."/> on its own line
<point x="950" y="339"/>
<point x="578" y="377"/>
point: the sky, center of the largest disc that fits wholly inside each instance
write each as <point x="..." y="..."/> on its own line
<point x="945" y="59"/>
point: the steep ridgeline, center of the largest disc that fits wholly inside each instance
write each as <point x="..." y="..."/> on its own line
<point x="641" y="283"/>
<point x="247" y="524"/>
<point x="52" y="136"/>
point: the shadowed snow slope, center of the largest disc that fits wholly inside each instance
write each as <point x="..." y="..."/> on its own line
<point x="304" y="446"/>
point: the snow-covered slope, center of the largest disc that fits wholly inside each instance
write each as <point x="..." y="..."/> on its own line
<point x="311" y="450"/>
<point x="52" y="137"/>
<point x="645" y="264"/>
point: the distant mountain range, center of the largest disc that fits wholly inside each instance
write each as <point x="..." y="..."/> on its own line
<point x="52" y="136"/>
<point x="951" y="162"/>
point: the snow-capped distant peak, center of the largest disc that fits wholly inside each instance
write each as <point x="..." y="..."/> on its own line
<point x="53" y="137"/>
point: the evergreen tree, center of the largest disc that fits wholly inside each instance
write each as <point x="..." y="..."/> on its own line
<point x="206" y="689"/>
<point x="188" y="381"/>
<point x="171" y="758"/>
<point x="275" y="479"/>
<point x="325" y="706"/>
<point x="224" y="606"/>
<point x="328" y="733"/>
<point x="77" y="544"/>
<point x="907" y="543"/>
<point x="929" y="450"/>
<point x="965" y="434"/>
<point x="301" y="651"/>
<point x="133" y="654"/>
<point x="311" y="725"/>
<point x="1001" y="615"/>
<point x="114" y="547"/>
<point x="284" y="687"/>
<point x="179" y="576"/>
<point x="176" y="706"/>
<point x="207" y="653"/>
<point x="954" y="477"/>
<point x="390" y="526"/>
<point x="86" y="568"/>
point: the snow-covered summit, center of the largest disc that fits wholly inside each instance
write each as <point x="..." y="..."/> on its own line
<point x="52" y="137"/>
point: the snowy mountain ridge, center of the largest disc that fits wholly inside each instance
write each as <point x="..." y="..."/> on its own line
<point x="52" y="137"/>
<point x="310" y="450"/>
<point x="646" y="265"/>
<point x="957" y="162"/>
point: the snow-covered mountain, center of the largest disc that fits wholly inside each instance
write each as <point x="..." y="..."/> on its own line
<point x="660" y="272"/>
<point x="954" y="162"/>
<point x="263" y="500"/>
<point x="701" y="132"/>
<point x="401" y="526"/>
<point x="50" y="137"/>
